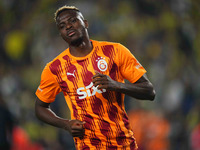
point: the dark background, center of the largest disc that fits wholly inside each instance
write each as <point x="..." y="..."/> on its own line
<point x="162" y="34"/>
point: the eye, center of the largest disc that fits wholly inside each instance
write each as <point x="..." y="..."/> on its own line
<point x="61" y="26"/>
<point x="73" y="20"/>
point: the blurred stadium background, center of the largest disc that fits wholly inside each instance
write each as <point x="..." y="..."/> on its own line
<point x="164" y="36"/>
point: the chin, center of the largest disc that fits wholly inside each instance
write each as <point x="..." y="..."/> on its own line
<point x="76" y="42"/>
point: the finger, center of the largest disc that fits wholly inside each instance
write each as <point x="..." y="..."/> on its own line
<point x="99" y="79"/>
<point x="97" y="76"/>
<point x="100" y="83"/>
<point x="102" y="87"/>
<point x="95" y="81"/>
<point x="78" y="133"/>
<point x="79" y="127"/>
<point x="83" y="122"/>
<point x="97" y="85"/>
<point x="95" y="71"/>
<point x="78" y="122"/>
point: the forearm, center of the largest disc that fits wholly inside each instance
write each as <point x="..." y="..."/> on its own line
<point x="44" y="113"/>
<point x="143" y="91"/>
<point x="49" y="117"/>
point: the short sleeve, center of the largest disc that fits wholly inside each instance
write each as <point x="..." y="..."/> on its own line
<point x="129" y="67"/>
<point x="48" y="88"/>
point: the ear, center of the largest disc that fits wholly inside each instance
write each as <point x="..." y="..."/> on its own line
<point x="86" y="24"/>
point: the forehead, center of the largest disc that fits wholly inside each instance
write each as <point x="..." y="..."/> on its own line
<point x="67" y="14"/>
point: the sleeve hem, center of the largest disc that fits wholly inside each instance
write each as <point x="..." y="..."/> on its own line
<point x="44" y="99"/>
<point x="139" y="76"/>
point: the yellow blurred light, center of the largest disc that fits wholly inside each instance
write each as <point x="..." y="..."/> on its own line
<point x="15" y="44"/>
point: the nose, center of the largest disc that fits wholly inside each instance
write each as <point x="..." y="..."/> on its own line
<point x="68" y="25"/>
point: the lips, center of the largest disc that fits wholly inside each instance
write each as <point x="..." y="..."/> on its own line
<point x="70" y="33"/>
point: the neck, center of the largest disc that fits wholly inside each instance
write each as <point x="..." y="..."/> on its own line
<point x="81" y="48"/>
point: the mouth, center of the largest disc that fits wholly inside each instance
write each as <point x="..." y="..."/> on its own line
<point x="70" y="33"/>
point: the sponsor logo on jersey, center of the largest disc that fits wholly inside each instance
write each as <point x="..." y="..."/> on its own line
<point x="71" y="74"/>
<point x="88" y="91"/>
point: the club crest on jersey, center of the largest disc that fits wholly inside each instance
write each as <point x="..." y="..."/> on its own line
<point x="102" y="64"/>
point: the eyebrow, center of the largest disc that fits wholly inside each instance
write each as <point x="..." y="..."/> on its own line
<point x="67" y="20"/>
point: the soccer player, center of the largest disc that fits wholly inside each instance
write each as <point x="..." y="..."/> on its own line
<point x="91" y="75"/>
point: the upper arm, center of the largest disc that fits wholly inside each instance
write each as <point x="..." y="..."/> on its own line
<point x="40" y="106"/>
<point x="38" y="102"/>
<point x="143" y="79"/>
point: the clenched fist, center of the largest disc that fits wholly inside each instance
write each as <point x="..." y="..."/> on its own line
<point x="75" y="128"/>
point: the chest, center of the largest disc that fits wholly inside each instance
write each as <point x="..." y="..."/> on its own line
<point x="76" y="75"/>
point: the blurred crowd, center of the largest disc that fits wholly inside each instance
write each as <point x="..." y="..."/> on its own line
<point x="164" y="36"/>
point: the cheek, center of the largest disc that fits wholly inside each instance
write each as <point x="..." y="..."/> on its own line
<point x="63" y="36"/>
<point x="62" y="33"/>
<point x="82" y="29"/>
<point x="80" y="26"/>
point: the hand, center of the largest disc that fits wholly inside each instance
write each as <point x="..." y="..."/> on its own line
<point x="104" y="81"/>
<point x="75" y="128"/>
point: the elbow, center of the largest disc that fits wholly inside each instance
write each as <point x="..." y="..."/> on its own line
<point x="152" y="95"/>
<point x="151" y="92"/>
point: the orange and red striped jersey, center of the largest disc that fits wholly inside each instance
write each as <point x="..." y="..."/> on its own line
<point x="107" y="125"/>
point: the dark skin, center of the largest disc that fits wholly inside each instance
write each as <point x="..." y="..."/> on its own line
<point x="73" y="29"/>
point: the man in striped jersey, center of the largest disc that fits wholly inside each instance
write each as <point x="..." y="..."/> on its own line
<point x="91" y="75"/>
